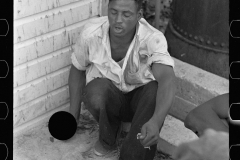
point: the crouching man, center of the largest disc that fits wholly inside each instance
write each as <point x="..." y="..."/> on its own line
<point x="122" y="72"/>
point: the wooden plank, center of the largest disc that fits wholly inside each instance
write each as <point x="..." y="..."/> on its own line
<point x="39" y="120"/>
<point x="60" y="17"/>
<point x="181" y="108"/>
<point x="40" y="106"/>
<point x="47" y="43"/>
<point x="42" y="66"/>
<point x="40" y="87"/>
<point x="24" y="8"/>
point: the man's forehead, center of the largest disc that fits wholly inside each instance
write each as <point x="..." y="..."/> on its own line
<point x="122" y="0"/>
<point x="123" y="5"/>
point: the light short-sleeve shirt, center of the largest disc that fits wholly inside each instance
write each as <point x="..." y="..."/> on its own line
<point x="92" y="53"/>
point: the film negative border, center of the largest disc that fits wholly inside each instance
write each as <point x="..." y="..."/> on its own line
<point x="4" y="63"/>
<point x="4" y="25"/>
<point x="4" y="151"/>
<point x="3" y="111"/>
<point x="234" y="28"/>
<point x="235" y="70"/>
<point x="234" y="56"/>
<point x="234" y="152"/>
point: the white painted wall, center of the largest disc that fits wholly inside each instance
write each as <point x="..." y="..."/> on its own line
<point x="44" y="31"/>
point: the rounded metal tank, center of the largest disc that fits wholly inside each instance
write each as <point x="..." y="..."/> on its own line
<point x="199" y="34"/>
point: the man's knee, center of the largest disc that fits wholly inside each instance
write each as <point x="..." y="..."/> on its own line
<point x="98" y="85"/>
<point x="95" y="93"/>
<point x="190" y="119"/>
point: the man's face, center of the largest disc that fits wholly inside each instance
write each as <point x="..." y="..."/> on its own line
<point x="123" y="16"/>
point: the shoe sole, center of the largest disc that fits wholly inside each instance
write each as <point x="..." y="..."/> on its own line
<point x="101" y="154"/>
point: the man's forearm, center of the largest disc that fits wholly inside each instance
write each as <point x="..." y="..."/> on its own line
<point x="76" y="81"/>
<point x="164" y="99"/>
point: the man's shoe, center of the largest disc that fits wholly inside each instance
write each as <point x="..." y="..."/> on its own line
<point x="99" y="150"/>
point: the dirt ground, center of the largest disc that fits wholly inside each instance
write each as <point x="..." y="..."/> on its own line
<point x="38" y="144"/>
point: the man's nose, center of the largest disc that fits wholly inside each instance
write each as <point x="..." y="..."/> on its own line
<point x="119" y="18"/>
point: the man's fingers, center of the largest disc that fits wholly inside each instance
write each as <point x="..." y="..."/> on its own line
<point x="143" y="132"/>
<point x="150" y="142"/>
<point x="145" y="140"/>
<point x="149" y="137"/>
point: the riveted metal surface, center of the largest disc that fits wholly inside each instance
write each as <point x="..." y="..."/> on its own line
<point x="200" y="34"/>
<point x="200" y="54"/>
<point x="205" y="18"/>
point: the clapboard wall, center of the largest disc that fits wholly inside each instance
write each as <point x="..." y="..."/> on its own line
<point x="44" y="31"/>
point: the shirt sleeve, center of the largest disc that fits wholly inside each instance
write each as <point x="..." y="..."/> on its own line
<point x="157" y="49"/>
<point x="80" y="58"/>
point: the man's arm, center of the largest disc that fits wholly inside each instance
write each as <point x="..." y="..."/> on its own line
<point x="166" y="91"/>
<point x="165" y="95"/>
<point x="76" y="82"/>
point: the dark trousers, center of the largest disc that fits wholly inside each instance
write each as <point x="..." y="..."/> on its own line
<point x="109" y="106"/>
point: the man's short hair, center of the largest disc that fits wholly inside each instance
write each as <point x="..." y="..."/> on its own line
<point x="138" y="2"/>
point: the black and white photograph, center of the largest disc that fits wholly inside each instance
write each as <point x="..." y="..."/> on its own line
<point x="121" y="80"/>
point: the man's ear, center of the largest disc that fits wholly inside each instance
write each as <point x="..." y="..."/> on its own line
<point x="140" y="14"/>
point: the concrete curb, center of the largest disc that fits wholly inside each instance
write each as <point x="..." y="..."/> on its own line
<point x="196" y="85"/>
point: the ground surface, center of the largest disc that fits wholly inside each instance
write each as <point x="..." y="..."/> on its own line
<point x="38" y="144"/>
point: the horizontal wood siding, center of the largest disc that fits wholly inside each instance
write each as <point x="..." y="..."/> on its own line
<point x="44" y="33"/>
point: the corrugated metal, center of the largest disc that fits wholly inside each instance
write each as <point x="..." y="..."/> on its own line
<point x="44" y="33"/>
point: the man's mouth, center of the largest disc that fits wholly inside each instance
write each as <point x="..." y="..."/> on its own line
<point x="118" y="29"/>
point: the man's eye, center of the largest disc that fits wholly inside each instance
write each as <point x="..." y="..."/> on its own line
<point x="127" y="15"/>
<point x="113" y="12"/>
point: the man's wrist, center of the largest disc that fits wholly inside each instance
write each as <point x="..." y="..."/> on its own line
<point x="158" y="120"/>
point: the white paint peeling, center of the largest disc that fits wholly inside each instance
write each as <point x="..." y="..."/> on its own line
<point x="38" y="120"/>
<point x="42" y="66"/>
<point x="42" y="47"/>
<point x="40" y="87"/>
<point x="21" y="9"/>
<point x="45" y="23"/>
<point x="41" y="105"/>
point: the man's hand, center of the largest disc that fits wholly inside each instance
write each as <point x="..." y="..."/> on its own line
<point x="212" y="145"/>
<point x="149" y="133"/>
